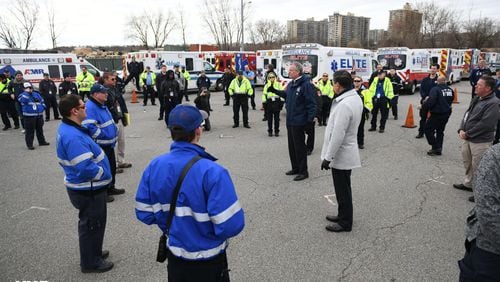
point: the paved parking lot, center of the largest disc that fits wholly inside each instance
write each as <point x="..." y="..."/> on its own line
<point x="408" y="221"/>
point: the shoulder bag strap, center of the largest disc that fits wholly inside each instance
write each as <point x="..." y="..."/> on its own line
<point x="175" y="193"/>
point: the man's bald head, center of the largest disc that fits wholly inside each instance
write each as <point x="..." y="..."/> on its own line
<point x="441" y="79"/>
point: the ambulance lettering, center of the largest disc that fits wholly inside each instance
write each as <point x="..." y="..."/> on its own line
<point x="33" y="71"/>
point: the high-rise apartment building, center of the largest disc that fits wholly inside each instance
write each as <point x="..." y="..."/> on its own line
<point x="348" y="30"/>
<point x="308" y="31"/>
<point x="403" y="22"/>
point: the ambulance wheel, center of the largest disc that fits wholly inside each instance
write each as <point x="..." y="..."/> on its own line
<point x="218" y="85"/>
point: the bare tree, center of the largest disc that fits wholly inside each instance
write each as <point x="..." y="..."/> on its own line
<point x="182" y="25"/>
<point x="434" y="22"/>
<point x="482" y="32"/>
<point x="137" y="29"/>
<point x="269" y="32"/>
<point x="222" y="21"/>
<point x="54" y="34"/>
<point x="26" y="14"/>
<point x="9" y="35"/>
<point x="161" y="26"/>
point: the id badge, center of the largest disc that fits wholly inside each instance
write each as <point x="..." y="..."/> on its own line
<point x="171" y="94"/>
<point x="34" y="107"/>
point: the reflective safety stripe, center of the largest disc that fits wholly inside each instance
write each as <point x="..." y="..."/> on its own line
<point x="152" y="208"/>
<point x="227" y="214"/>
<point x="180" y="252"/>
<point x="187" y="211"/>
<point x="108" y="123"/>
<point x="76" y="160"/>
<point x="106" y="142"/>
<point x="99" y="173"/>
<point x="87" y="184"/>
<point x="88" y="121"/>
<point x="97" y="132"/>
<point x="32" y="114"/>
<point x="100" y="157"/>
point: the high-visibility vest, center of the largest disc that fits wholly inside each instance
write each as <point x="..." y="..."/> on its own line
<point x="240" y="87"/>
<point x="326" y="89"/>
<point x="84" y="81"/>
<point x="144" y="77"/>
<point x="269" y="95"/>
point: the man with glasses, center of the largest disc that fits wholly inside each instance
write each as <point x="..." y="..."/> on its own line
<point x="87" y="173"/>
<point x="300" y="111"/>
<point x="103" y="130"/>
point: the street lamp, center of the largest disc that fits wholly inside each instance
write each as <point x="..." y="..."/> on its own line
<point x="242" y="43"/>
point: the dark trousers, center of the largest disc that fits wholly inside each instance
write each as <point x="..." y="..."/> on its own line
<point x="361" y="128"/>
<point x="84" y="94"/>
<point x="273" y="116"/>
<point x="497" y="134"/>
<point x="19" y="111"/>
<point x="110" y="153"/>
<point x="265" y="106"/>
<point x="310" y="131"/>
<point x="91" y="224"/>
<point x="51" y="102"/>
<point x="149" y="92"/>
<point x="394" y="105"/>
<point x="434" y="130"/>
<point x="325" y="109"/>
<point x="32" y="125"/>
<point x="297" y="148"/>
<point x="135" y="76"/>
<point x="478" y="265"/>
<point x="161" y="98"/>
<point x="9" y="108"/>
<point x="212" y="270"/>
<point x="169" y="105"/>
<point x="473" y="94"/>
<point x="380" y="104"/>
<point x="423" y="120"/>
<point x="240" y="101"/>
<point x="252" y="98"/>
<point x="342" y="186"/>
<point x="227" y="97"/>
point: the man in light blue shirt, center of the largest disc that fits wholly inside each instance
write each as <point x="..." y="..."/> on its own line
<point x="250" y="75"/>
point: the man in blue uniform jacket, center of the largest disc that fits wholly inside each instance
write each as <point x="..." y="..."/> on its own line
<point x="87" y="174"/>
<point x="207" y="211"/>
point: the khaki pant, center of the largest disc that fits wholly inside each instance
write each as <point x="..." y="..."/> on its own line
<point x="471" y="155"/>
<point x="120" y="147"/>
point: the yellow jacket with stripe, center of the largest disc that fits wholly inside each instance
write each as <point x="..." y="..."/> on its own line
<point x="268" y="95"/>
<point x="238" y="87"/>
<point x="326" y="89"/>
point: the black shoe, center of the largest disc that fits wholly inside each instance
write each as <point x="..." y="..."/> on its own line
<point x="246" y="126"/>
<point x="115" y="191"/>
<point x="335" y="227"/>
<point x="153" y="104"/>
<point x="320" y="124"/>
<point x="381" y="130"/>
<point x="332" y="218"/>
<point x="104" y="254"/>
<point x="471" y="199"/>
<point x="211" y="110"/>
<point x="6" y="128"/>
<point x="372" y="129"/>
<point x="16" y="127"/>
<point x="57" y="118"/>
<point x="160" y="118"/>
<point x="361" y="146"/>
<point x="270" y="134"/>
<point x="309" y="152"/>
<point x="462" y="187"/>
<point x="292" y="172"/>
<point x="495" y="142"/>
<point x="420" y="135"/>
<point x="44" y="144"/>
<point x="31" y="148"/>
<point x="300" y="177"/>
<point x="103" y="267"/>
<point x="236" y="125"/>
<point x="395" y="117"/>
<point x="264" y="119"/>
<point x="253" y="108"/>
<point x="277" y="134"/>
<point x="47" y="119"/>
<point x="109" y="199"/>
<point x="433" y="153"/>
<point x="226" y="104"/>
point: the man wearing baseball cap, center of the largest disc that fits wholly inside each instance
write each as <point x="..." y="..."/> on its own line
<point x="32" y="106"/>
<point x="197" y="240"/>
<point x="103" y="130"/>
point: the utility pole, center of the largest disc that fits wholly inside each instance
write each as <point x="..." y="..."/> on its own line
<point x="242" y="43"/>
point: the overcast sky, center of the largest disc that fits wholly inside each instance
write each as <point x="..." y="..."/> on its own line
<point x="92" y="22"/>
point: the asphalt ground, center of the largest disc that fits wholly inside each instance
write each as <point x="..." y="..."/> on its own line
<point x="408" y="220"/>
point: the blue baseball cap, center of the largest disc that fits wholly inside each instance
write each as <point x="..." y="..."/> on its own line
<point x="98" y="88"/>
<point x="186" y="117"/>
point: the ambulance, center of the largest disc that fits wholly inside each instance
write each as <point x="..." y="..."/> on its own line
<point x="193" y="61"/>
<point x="492" y="59"/>
<point x="411" y="65"/>
<point x="450" y="62"/>
<point x="471" y="58"/>
<point x="237" y="60"/>
<point x="33" y="66"/>
<point x="317" y="59"/>
<point x="264" y="58"/>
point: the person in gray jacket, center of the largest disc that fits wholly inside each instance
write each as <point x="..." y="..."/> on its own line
<point x="482" y="244"/>
<point x="340" y="147"/>
<point x="477" y="129"/>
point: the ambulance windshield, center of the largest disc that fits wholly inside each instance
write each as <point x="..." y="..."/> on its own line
<point x="309" y="63"/>
<point x="396" y="61"/>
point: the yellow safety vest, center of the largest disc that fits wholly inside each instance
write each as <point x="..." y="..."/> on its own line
<point x="269" y="95"/>
<point x="326" y="89"/>
<point x="84" y="81"/>
<point x="243" y="87"/>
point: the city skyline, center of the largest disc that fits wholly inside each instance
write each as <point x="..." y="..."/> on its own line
<point x="103" y="23"/>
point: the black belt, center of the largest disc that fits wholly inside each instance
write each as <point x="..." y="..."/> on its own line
<point x="218" y="259"/>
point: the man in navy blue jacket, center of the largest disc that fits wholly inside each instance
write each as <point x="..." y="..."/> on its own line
<point x="425" y="87"/>
<point x="300" y="112"/>
<point x="477" y="73"/>
<point x="207" y="211"/>
<point x="87" y="174"/>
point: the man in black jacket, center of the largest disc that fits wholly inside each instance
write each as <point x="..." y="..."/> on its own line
<point x="477" y="73"/>
<point x="396" y="87"/>
<point x="160" y="78"/>
<point x="226" y="81"/>
<point x="67" y="86"/>
<point x="48" y="90"/>
<point x="134" y="70"/>
<point x="425" y="87"/>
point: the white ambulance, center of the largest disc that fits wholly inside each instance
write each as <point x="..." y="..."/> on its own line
<point x="450" y="62"/>
<point x="193" y="61"/>
<point x="34" y="65"/>
<point x="264" y="58"/>
<point x="317" y="59"/>
<point x="411" y="65"/>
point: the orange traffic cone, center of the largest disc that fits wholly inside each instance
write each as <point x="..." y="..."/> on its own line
<point x="134" y="97"/>
<point x="455" y="96"/>
<point x="409" y="123"/>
